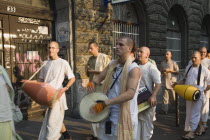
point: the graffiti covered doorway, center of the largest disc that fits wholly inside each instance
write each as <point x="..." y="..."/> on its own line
<point x="30" y="40"/>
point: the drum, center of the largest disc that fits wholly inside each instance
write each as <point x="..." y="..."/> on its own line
<point x="40" y="92"/>
<point x="87" y="102"/>
<point x="143" y="106"/>
<point x="188" y="92"/>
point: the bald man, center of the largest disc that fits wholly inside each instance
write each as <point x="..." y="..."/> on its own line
<point x="205" y="107"/>
<point x="193" y="108"/>
<point x="169" y="69"/>
<point x="54" y="72"/>
<point x="121" y="79"/>
<point x="151" y="81"/>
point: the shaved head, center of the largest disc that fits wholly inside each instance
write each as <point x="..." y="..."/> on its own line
<point x="196" y="58"/>
<point x="197" y="53"/>
<point x="146" y="49"/>
<point x="168" y="55"/>
<point x="203" y="51"/>
<point x="130" y="42"/>
<point x="54" y="44"/>
<point x="53" y="50"/>
<point x="169" y="52"/>
<point x="202" y="48"/>
<point x="143" y="54"/>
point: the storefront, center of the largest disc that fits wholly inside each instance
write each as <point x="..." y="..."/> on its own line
<point x="25" y="31"/>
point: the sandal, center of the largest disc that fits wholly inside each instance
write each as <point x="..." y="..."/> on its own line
<point x="91" y="137"/>
<point x="200" y="131"/>
<point x="188" y="136"/>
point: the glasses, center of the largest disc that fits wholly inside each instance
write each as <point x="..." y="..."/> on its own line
<point x="52" y="48"/>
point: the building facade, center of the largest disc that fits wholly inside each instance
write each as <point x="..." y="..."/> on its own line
<point x="26" y="27"/>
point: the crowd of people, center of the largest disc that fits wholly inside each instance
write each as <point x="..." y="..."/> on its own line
<point x="126" y="89"/>
<point x="122" y="81"/>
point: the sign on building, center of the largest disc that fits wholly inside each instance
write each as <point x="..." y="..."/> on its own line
<point x="119" y="1"/>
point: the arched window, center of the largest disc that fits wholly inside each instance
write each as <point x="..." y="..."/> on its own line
<point x="205" y="32"/>
<point x="176" y="35"/>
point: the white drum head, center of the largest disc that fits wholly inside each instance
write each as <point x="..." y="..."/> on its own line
<point x="87" y="102"/>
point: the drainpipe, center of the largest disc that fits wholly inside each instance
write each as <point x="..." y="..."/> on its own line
<point x="71" y="48"/>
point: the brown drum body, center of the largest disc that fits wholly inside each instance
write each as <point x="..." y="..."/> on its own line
<point x="41" y="92"/>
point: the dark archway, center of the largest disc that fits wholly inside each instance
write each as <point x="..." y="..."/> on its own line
<point x="176" y="38"/>
<point x="205" y="32"/>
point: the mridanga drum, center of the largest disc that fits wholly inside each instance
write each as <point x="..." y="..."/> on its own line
<point x="143" y="106"/>
<point x="40" y="92"/>
<point x="87" y="102"/>
<point x="188" y="92"/>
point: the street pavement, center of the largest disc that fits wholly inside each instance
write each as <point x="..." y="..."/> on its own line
<point x="165" y="128"/>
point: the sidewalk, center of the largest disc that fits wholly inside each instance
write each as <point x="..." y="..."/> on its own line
<point x="164" y="128"/>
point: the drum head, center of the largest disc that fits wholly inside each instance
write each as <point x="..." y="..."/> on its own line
<point x="196" y="95"/>
<point x="87" y="102"/>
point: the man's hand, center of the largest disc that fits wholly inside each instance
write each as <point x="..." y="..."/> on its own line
<point x="167" y="70"/>
<point x="90" y="70"/>
<point x="152" y="101"/>
<point x="90" y="87"/>
<point x="174" y="84"/>
<point x="62" y="90"/>
<point x="97" y="108"/>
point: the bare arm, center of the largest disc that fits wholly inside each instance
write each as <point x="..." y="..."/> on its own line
<point x="174" y="72"/>
<point x="101" y="76"/>
<point x="152" y="100"/>
<point x="71" y="81"/>
<point x="132" y="83"/>
<point x="171" y="71"/>
<point x="93" y="71"/>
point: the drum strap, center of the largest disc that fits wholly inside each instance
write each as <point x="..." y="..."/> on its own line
<point x="199" y="74"/>
<point x="115" y="78"/>
<point x="37" y="71"/>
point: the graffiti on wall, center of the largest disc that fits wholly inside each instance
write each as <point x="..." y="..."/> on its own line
<point x="63" y="32"/>
<point x="36" y="33"/>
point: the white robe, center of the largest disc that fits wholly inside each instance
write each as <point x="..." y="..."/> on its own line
<point x="193" y="113"/>
<point x="150" y="75"/>
<point x="54" y="73"/>
<point x="205" y="105"/>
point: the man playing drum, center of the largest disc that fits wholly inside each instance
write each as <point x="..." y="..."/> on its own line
<point x="198" y="76"/>
<point x="96" y="64"/>
<point x="205" y="107"/>
<point x="54" y="73"/>
<point x="121" y="79"/>
<point x="151" y="80"/>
